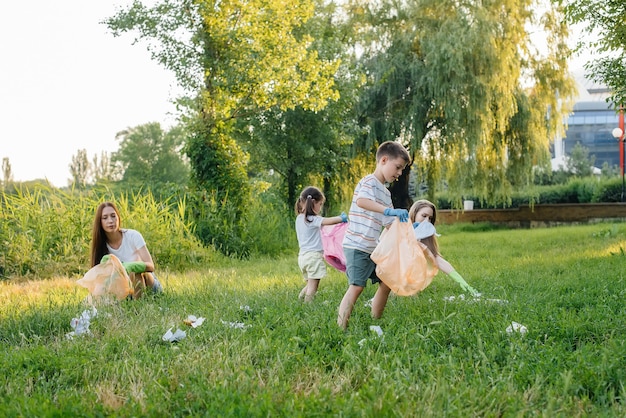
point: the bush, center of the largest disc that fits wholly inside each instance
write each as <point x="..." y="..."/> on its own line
<point x="576" y="190"/>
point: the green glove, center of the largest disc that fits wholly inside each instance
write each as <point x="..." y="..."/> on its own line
<point x="466" y="287"/>
<point x="135" y="266"/>
<point x="105" y="258"/>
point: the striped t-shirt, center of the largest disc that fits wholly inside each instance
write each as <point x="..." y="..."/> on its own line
<point x="365" y="226"/>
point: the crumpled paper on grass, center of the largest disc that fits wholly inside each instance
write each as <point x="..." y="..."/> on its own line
<point x="238" y="325"/>
<point x="403" y="263"/>
<point x="108" y="278"/>
<point x="379" y="334"/>
<point x="193" y="321"/>
<point x="81" y="324"/>
<point x="175" y="336"/>
<point x="516" y="327"/>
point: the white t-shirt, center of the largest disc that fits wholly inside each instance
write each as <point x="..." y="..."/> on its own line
<point x="131" y="242"/>
<point x="308" y="233"/>
<point x="365" y="226"/>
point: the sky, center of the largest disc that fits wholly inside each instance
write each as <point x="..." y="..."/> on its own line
<point x="67" y="84"/>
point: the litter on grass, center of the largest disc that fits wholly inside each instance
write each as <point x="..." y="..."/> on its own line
<point x="477" y="298"/>
<point x="516" y="327"/>
<point x="193" y="321"/>
<point x="238" y="325"/>
<point x="81" y="324"/>
<point x="379" y="334"/>
<point x="378" y="330"/>
<point x="173" y="337"/>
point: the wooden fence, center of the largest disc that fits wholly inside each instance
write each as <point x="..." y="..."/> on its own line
<point x="538" y="215"/>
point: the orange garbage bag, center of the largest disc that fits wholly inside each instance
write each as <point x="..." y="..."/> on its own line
<point x="332" y="243"/>
<point x="403" y="263"/>
<point x="109" y="278"/>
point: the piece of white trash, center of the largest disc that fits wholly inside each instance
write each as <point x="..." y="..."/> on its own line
<point x="377" y="329"/>
<point x="174" y="336"/>
<point x="81" y="324"/>
<point x="516" y="327"/>
<point x="193" y="321"/>
<point x="239" y="325"/>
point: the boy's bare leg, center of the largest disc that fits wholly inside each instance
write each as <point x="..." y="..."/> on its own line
<point x="303" y="291"/>
<point x="380" y="300"/>
<point x="311" y="289"/>
<point x="347" y="304"/>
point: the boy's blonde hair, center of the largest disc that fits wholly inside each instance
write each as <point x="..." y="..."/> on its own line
<point x="392" y="150"/>
<point x="430" y="242"/>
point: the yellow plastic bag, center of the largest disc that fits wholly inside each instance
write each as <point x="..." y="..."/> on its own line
<point x="109" y="278"/>
<point x="403" y="263"/>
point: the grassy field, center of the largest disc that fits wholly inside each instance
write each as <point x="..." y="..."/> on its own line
<point x="261" y="352"/>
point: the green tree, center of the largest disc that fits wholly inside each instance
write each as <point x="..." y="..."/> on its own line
<point x="579" y="163"/>
<point x="103" y="168"/>
<point x="151" y="156"/>
<point x="605" y="27"/>
<point x="462" y="87"/>
<point x="80" y="169"/>
<point x="232" y="59"/>
<point x="311" y="146"/>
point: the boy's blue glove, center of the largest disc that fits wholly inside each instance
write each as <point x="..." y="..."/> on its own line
<point x="402" y="214"/>
<point x="344" y="217"/>
<point x="135" y="266"/>
<point x="105" y="258"/>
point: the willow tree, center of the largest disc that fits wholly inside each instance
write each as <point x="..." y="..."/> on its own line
<point x="233" y="59"/>
<point x="462" y="85"/>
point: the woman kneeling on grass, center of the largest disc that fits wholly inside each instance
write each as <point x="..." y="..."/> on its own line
<point x="126" y="244"/>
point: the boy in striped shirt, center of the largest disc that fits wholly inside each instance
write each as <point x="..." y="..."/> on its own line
<point x="370" y="211"/>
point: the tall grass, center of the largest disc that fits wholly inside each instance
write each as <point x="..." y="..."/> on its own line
<point x="46" y="232"/>
<point x="438" y="356"/>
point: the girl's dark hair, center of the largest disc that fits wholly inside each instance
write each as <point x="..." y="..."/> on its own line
<point x="307" y="199"/>
<point x="430" y="242"/>
<point x="98" y="238"/>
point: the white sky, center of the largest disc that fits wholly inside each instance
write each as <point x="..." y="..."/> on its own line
<point x="67" y="84"/>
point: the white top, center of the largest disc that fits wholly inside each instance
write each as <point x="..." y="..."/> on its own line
<point x="131" y="242"/>
<point x="365" y="226"/>
<point x="308" y="233"/>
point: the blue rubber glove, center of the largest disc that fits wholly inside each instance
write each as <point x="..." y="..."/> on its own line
<point x="135" y="266"/>
<point x="105" y="258"/>
<point x="402" y="214"/>
<point x="344" y="217"/>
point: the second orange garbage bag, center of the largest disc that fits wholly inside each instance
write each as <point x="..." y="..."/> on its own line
<point x="403" y="263"/>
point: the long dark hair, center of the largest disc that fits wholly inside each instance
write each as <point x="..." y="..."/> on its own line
<point x="307" y="199"/>
<point x="98" y="237"/>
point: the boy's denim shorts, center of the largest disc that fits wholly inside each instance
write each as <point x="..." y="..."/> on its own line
<point x="359" y="267"/>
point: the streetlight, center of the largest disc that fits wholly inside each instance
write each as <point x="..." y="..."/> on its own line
<point x="618" y="133"/>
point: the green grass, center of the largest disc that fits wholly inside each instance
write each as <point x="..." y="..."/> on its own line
<point x="437" y="357"/>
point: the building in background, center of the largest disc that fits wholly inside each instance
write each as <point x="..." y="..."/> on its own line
<point x="590" y="125"/>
